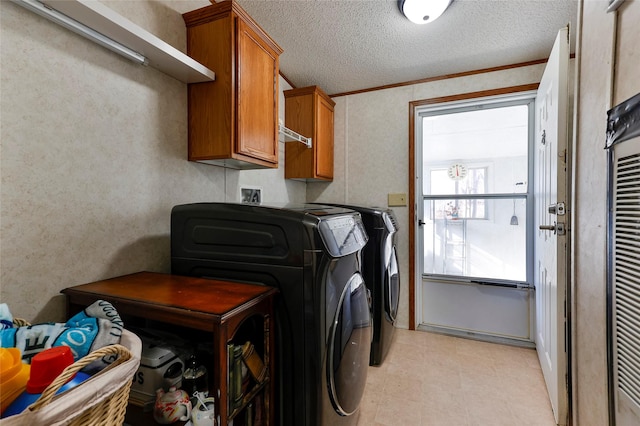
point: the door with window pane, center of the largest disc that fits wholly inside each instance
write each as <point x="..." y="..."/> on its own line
<point x="476" y="258"/>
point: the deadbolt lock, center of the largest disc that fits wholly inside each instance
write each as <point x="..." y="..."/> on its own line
<point x="557" y="209"/>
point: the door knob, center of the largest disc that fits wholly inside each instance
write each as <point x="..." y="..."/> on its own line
<point x="556" y="227"/>
<point x="547" y="228"/>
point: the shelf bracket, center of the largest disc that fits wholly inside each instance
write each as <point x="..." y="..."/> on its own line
<point x="291" y="136"/>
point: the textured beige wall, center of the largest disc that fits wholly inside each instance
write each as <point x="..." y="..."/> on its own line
<point x="589" y="226"/>
<point x="93" y="157"/>
<point x="599" y="88"/>
<point x="372" y="148"/>
<point x="627" y="83"/>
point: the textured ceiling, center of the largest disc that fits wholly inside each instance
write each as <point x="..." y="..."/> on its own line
<point x="350" y="45"/>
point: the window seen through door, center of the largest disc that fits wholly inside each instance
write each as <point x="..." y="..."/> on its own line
<point x="475" y="190"/>
<point x="475" y="183"/>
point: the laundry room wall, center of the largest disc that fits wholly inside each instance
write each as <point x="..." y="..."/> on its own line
<point x="608" y="64"/>
<point x="93" y="158"/>
<point x="372" y="148"/>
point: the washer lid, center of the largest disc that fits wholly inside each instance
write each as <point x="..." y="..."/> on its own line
<point x="316" y="210"/>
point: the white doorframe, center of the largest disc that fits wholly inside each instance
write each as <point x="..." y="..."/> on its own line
<point x="519" y="305"/>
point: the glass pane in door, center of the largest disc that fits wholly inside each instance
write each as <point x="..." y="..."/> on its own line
<point x="476" y="237"/>
<point x="478" y="151"/>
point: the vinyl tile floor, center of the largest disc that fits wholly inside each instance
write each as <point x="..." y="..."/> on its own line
<point x="430" y="379"/>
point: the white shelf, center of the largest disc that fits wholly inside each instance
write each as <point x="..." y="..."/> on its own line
<point x="159" y="54"/>
<point x="291" y="136"/>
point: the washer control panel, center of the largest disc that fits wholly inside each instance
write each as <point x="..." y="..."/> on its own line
<point x="343" y="235"/>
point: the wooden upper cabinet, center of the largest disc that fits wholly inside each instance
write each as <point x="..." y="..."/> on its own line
<point x="309" y="111"/>
<point x="233" y="121"/>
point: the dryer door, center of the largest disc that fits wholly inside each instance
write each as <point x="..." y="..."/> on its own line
<point x="349" y="347"/>
<point x="392" y="286"/>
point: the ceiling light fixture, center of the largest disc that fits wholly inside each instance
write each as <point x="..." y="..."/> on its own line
<point x="423" y="11"/>
<point x="78" y="28"/>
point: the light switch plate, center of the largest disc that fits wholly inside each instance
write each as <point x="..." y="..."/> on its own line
<point x="397" y="200"/>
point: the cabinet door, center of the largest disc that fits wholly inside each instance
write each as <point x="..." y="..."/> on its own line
<point x="210" y="112"/>
<point x="257" y="70"/>
<point x="309" y="111"/>
<point x="324" y="137"/>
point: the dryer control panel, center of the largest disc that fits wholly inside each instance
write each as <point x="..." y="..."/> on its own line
<point x="343" y="235"/>
<point x="390" y="222"/>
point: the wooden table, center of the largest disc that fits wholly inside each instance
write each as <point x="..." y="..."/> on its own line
<point x="218" y="308"/>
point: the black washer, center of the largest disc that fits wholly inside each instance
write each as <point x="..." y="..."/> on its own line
<point x="312" y="254"/>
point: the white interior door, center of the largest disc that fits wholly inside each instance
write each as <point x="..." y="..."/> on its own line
<point x="551" y="245"/>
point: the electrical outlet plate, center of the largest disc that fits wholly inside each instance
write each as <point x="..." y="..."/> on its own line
<point x="397" y="200"/>
<point x="251" y="195"/>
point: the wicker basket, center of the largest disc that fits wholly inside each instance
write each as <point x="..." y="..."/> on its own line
<point x="100" y="400"/>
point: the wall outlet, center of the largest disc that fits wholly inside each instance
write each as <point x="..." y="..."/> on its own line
<point x="397" y="200"/>
<point x="251" y="195"/>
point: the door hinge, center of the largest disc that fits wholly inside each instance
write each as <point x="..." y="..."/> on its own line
<point x="563" y="156"/>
